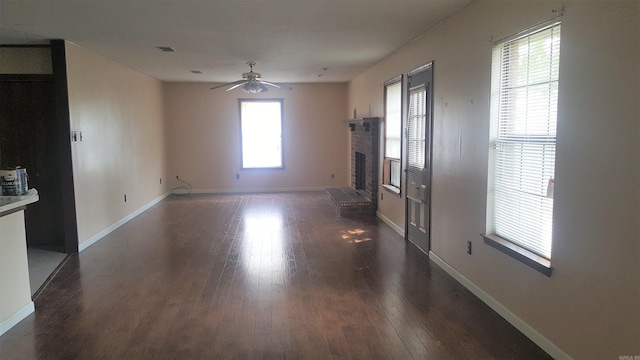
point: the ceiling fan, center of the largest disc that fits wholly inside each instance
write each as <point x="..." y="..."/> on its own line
<point x="252" y="83"/>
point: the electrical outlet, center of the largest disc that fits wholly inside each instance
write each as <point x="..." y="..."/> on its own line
<point x="469" y="247"/>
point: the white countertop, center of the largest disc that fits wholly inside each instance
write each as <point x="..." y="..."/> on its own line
<point x="8" y="203"/>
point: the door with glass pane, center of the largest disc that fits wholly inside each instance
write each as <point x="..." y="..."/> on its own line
<point x="418" y="158"/>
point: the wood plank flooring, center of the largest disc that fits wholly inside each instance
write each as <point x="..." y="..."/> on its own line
<point x="260" y="276"/>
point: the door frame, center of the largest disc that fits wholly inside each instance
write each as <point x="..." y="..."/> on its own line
<point x="63" y="120"/>
<point x="428" y="149"/>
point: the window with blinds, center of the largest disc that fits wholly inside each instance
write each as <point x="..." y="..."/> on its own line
<point x="393" y="134"/>
<point x="523" y="138"/>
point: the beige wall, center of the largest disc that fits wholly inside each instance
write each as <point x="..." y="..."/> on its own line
<point x="25" y="60"/>
<point x="590" y="306"/>
<point x="204" y="138"/>
<point x="119" y="112"/>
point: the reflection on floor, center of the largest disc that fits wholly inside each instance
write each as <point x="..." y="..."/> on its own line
<point x="41" y="264"/>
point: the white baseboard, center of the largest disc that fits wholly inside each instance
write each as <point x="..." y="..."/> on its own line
<point x="92" y="240"/>
<point x="391" y="224"/>
<point x="18" y="316"/>
<point x="261" y="190"/>
<point x="512" y="318"/>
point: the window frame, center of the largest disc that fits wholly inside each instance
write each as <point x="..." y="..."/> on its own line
<point x="387" y="161"/>
<point x="261" y="100"/>
<point x="519" y="250"/>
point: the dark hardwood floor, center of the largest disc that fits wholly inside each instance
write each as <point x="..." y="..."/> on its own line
<point x="262" y="276"/>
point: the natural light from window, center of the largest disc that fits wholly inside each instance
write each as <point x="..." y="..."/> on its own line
<point x="524" y="119"/>
<point x="393" y="134"/>
<point x="263" y="255"/>
<point x="261" y="126"/>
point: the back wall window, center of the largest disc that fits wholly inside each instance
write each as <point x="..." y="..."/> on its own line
<point x="261" y="131"/>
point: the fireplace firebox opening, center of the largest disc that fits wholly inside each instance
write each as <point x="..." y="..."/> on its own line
<point x="361" y="171"/>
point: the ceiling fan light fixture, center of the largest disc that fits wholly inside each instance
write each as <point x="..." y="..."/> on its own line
<point x="254" y="88"/>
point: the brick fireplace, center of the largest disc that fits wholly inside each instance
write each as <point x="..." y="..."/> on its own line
<point x="362" y="196"/>
<point x="364" y="146"/>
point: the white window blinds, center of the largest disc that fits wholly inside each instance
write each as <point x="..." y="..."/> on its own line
<point x="393" y="120"/>
<point x="524" y="114"/>
<point x="393" y="133"/>
<point x="417" y="142"/>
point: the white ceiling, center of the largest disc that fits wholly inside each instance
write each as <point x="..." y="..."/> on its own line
<point x="291" y="40"/>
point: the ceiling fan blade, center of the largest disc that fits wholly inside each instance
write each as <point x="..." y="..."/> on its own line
<point x="251" y="83"/>
<point x="279" y="86"/>
<point x="237" y="84"/>
<point x="227" y="84"/>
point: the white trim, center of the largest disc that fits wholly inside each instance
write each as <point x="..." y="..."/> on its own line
<point x="256" y="190"/>
<point x="92" y="240"/>
<point x="391" y="224"/>
<point x="18" y="316"/>
<point x="532" y="30"/>
<point x="512" y="318"/>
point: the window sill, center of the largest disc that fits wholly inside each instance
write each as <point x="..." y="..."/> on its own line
<point x="392" y="189"/>
<point x="526" y="257"/>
